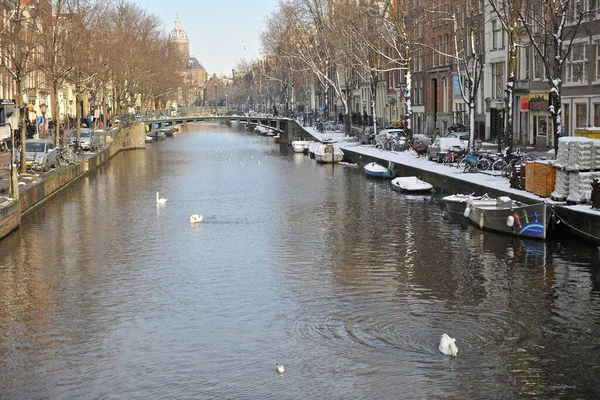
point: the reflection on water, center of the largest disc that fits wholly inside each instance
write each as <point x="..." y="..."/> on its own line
<point x="346" y="282"/>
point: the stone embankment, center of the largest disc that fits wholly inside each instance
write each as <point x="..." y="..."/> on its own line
<point x="34" y="190"/>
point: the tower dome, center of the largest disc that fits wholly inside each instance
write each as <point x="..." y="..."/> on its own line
<point x="178" y="34"/>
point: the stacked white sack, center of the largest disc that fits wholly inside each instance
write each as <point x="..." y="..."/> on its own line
<point x="561" y="186"/>
<point x="562" y="155"/>
<point x="580" y="186"/>
<point x="596" y="154"/>
<point x="580" y="154"/>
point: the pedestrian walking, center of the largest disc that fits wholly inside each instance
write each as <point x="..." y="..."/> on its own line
<point x="50" y="127"/>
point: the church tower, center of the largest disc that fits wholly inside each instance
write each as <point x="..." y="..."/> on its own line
<point x="180" y="39"/>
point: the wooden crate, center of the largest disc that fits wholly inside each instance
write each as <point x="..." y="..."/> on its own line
<point x="530" y="176"/>
<point x="545" y="177"/>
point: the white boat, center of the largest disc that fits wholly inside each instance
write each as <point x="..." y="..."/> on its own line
<point x="328" y="153"/>
<point x="411" y="184"/>
<point x="509" y="216"/>
<point x="299" y="145"/>
<point x="456" y="203"/>
<point x="377" y="170"/>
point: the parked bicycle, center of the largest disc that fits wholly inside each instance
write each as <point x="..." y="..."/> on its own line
<point x="67" y="156"/>
<point x="473" y="162"/>
<point x="453" y="155"/>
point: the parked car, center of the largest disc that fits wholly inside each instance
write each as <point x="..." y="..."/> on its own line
<point x="463" y="136"/>
<point x="438" y="149"/>
<point x="426" y="140"/>
<point x="42" y="152"/>
<point x="85" y="139"/>
<point x="386" y="134"/>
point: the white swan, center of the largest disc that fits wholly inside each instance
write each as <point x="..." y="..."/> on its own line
<point x="195" y="218"/>
<point x="447" y="346"/>
<point x="280" y="369"/>
<point x="160" y="200"/>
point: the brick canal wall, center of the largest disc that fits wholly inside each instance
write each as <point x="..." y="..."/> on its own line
<point x="34" y="195"/>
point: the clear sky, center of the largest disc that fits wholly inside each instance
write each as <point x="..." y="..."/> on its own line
<point x="221" y="32"/>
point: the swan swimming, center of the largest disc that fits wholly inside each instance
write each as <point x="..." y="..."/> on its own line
<point x="280" y="369"/>
<point x="160" y="200"/>
<point x="447" y="346"/>
<point x="195" y="218"/>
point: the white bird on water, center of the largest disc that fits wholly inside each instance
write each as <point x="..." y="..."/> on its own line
<point x="160" y="200"/>
<point x="280" y="369"/>
<point x="195" y="218"/>
<point x="447" y="346"/>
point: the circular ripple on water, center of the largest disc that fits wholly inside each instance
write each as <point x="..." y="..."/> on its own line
<point x="418" y="331"/>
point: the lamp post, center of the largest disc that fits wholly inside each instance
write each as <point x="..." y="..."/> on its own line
<point x="216" y="110"/>
<point x="226" y="102"/>
<point x="43" y="109"/>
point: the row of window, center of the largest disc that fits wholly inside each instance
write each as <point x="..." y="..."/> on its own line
<point x="576" y="66"/>
<point x="581" y="115"/>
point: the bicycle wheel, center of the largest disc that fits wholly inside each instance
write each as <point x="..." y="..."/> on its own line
<point x="483" y="165"/>
<point x="461" y="163"/>
<point x="498" y="165"/>
<point x="379" y="146"/>
<point x="448" y="159"/>
<point x="36" y="167"/>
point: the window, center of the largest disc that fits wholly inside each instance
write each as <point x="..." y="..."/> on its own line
<point x="495" y="34"/>
<point x="597" y="115"/>
<point x="435" y="53"/>
<point x="581" y="111"/>
<point x="577" y="64"/>
<point x="498" y="80"/>
<point x="421" y="99"/>
<point x="538" y="66"/>
<point x="447" y="48"/>
<point x="566" y="115"/>
<point x="598" y="59"/>
<point x="442" y="48"/>
<point x="445" y="96"/>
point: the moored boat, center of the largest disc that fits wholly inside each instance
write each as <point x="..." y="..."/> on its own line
<point x="298" y="146"/>
<point x="328" y="153"/>
<point x="509" y="216"/>
<point x="411" y="184"/>
<point x="456" y="203"/>
<point x="377" y="170"/>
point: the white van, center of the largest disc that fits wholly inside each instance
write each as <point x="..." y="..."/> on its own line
<point x="438" y="149"/>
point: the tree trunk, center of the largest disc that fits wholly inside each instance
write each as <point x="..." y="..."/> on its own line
<point x="23" y="133"/>
<point x="408" y="106"/>
<point x="373" y="104"/>
<point x="77" y="110"/>
<point x="510" y="84"/>
<point x="55" y="112"/>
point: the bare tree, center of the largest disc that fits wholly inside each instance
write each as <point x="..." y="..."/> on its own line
<point x="54" y="37"/>
<point x="466" y="19"/>
<point x="18" y="47"/>
<point x="507" y="13"/>
<point x="551" y="27"/>
<point x="307" y="34"/>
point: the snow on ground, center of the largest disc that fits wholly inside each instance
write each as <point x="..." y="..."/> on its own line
<point x="410" y="158"/>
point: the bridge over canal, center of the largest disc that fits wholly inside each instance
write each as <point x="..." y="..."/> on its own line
<point x="287" y="128"/>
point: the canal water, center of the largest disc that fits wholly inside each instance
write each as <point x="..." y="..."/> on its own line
<point x="349" y="285"/>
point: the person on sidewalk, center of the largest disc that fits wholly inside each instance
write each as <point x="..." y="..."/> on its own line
<point x="436" y="134"/>
<point x="50" y="128"/>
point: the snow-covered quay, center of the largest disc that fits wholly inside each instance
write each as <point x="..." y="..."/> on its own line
<point x="579" y="220"/>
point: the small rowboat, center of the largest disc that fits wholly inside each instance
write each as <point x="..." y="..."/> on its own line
<point x="411" y="184"/>
<point x="377" y="170"/>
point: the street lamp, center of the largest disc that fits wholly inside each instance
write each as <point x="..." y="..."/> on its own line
<point x="43" y="109"/>
<point x="226" y="102"/>
<point x="216" y="109"/>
